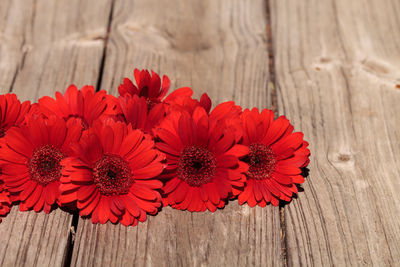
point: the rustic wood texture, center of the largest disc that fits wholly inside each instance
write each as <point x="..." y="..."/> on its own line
<point x="14" y="17"/>
<point x="214" y="46"/>
<point x="44" y="46"/>
<point x="337" y="69"/>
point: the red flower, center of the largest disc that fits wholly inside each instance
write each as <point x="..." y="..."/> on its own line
<point x="181" y="100"/>
<point x="12" y="112"/>
<point x="148" y="86"/>
<point x="203" y="169"/>
<point x="85" y="105"/>
<point x="113" y="175"/>
<point x="227" y="113"/>
<point x="137" y="112"/>
<point x="275" y="159"/>
<point x="145" y="115"/>
<point x="30" y="155"/>
<point x="5" y="202"/>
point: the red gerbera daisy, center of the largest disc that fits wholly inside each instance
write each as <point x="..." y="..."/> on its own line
<point x="137" y="112"/>
<point x="181" y="100"/>
<point x="227" y="113"/>
<point x="276" y="156"/>
<point x="113" y="175"/>
<point x="85" y="105"/>
<point x="12" y="112"/>
<point x="143" y="115"/>
<point x="5" y="202"/>
<point x="30" y="155"/>
<point x="148" y="86"/>
<point x="203" y="169"/>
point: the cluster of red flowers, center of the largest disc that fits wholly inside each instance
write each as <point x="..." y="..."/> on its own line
<point x="119" y="159"/>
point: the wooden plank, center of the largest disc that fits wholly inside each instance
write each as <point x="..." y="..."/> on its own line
<point x="45" y="46"/>
<point x="14" y="18"/>
<point x="337" y="70"/>
<point x="214" y="46"/>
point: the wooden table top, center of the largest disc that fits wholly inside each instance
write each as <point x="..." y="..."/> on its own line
<point x="332" y="67"/>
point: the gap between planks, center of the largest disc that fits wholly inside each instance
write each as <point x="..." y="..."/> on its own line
<point x="75" y="217"/>
<point x="274" y="107"/>
<point x="106" y="38"/>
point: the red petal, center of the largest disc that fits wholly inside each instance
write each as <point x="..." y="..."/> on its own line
<point x="205" y="102"/>
<point x="170" y="139"/>
<point x="226" y="161"/>
<point x="257" y="192"/>
<point x="131" y="205"/>
<point x="85" y="192"/>
<point x="276" y="130"/>
<point x="171" y="185"/>
<point x="298" y="179"/>
<point x="238" y="151"/>
<point x="282" y="179"/>
<point x="51" y="192"/>
<point x="265" y="192"/>
<point x="213" y="193"/>
<point x="29" y="187"/>
<point x="144" y="193"/>
<point x="149" y="171"/>
<point x="180" y="192"/>
<point x="289" y="170"/>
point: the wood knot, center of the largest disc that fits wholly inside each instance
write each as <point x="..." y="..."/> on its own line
<point x="321" y="63"/>
<point x="344" y="157"/>
<point x="325" y="60"/>
<point x="375" y="67"/>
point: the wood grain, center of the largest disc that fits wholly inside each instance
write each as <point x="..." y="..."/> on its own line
<point x="46" y="45"/>
<point x="14" y="18"/>
<point x="337" y="71"/>
<point x="214" y="46"/>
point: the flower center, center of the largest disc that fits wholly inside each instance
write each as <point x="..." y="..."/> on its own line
<point x="196" y="166"/>
<point x="44" y="165"/>
<point x="261" y="160"/>
<point x="112" y="175"/>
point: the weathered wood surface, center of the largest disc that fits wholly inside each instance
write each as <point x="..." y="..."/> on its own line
<point x="214" y="46"/>
<point x="337" y="69"/>
<point x="44" y="46"/>
<point x="337" y="74"/>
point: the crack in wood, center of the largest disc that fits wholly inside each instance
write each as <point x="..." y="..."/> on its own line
<point x="274" y="107"/>
<point x="75" y="218"/>
<point x="271" y="60"/>
<point x="71" y="240"/>
<point x="105" y="40"/>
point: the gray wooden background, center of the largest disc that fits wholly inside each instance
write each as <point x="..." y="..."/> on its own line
<point x="331" y="66"/>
